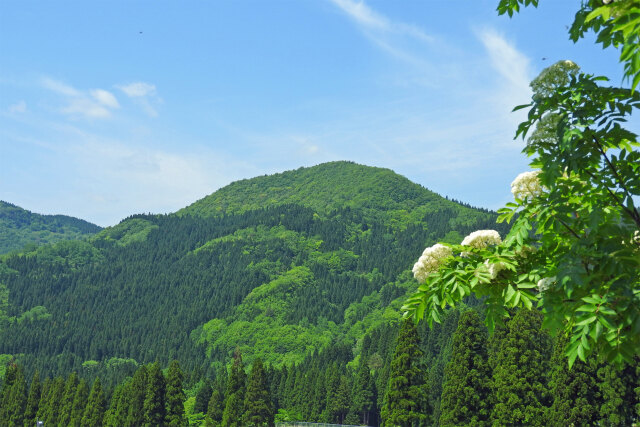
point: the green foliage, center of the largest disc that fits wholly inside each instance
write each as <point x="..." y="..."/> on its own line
<point x="466" y="392"/>
<point x="405" y="403"/>
<point x="580" y="229"/>
<point x="154" y="407"/>
<point x="257" y="403"/>
<point x="94" y="411"/>
<point x="19" y="227"/>
<point x="175" y="396"/>
<point x="519" y="377"/>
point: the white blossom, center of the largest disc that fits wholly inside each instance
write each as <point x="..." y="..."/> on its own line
<point x="636" y="237"/>
<point x="543" y="284"/>
<point x="494" y="268"/>
<point x="430" y="261"/>
<point x="526" y="185"/>
<point x="482" y="238"/>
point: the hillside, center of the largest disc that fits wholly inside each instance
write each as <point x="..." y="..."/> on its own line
<point x="261" y="265"/>
<point x="19" y="227"/>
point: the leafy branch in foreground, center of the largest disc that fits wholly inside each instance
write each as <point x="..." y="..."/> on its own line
<point x="574" y="247"/>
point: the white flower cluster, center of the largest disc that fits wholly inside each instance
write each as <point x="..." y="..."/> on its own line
<point x="430" y="261"/>
<point x="494" y="269"/>
<point x="526" y="185"/>
<point x="482" y="238"/>
<point x="636" y="237"/>
<point x="543" y="284"/>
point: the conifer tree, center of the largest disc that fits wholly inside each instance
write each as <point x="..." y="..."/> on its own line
<point x="215" y="408"/>
<point x="116" y="415"/>
<point x="135" y="397"/>
<point x="66" y="404"/>
<point x="5" y="392"/>
<point x="79" y="403"/>
<point x="17" y="400"/>
<point x="519" y="378"/>
<point x="234" y="399"/>
<point x="94" y="411"/>
<point x="574" y="391"/>
<point x="467" y="387"/>
<point x="155" y="397"/>
<point x="51" y="407"/>
<point x="202" y="397"/>
<point x="44" y="398"/>
<point x="363" y="392"/>
<point x="618" y="387"/>
<point x="175" y="396"/>
<point x="404" y="403"/>
<point x="257" y="402"/>
<point x="33" y="400"/>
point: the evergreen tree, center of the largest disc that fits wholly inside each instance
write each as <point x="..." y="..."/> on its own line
<point x="5" y="392"/>
<point x="202" y="397"/>
<point x="51" y="407"/>
<point x="404" y="403"/>
<point x="33" y="400"/>
<point x="155" y="398"/>
<point x="363" y="392"/>
<point x="116" y="415"/>
<point x="44" y="398"/>
<point x="17" y="400"/>
<point x="175" y="396"/>
<point x="618" y="388"/>
<point x="468" y="378"/>
<point x="94" y="411"/>
<point x="257" y="402"/>
<point x="574" y="391"/>
<point x="234" y="399"/>
<point x="215" y="408"/>
<point x="519" y="378"/>
<point x="66" y="404"/>
<point x="135" y="397"/>
<point x="79" y="403"/>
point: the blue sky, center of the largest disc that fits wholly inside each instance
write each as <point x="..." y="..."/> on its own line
<point x="111" y="108"/>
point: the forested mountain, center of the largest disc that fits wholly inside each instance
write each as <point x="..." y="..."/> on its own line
<point x="277" y="266"/>
<point x="19" y="227"/>
<point x="304" y="272"/>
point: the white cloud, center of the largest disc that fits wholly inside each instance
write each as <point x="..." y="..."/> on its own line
<point x="92" y="104"/>
<point x="391" y="36"/>
<point x="18" y="107"/>
<point x="138" y="89"/>
<point x="105" y="98"/>
<point x="144" y="94"/>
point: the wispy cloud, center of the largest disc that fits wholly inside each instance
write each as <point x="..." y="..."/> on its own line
<point x="18" y="107"/>
<point x="394" y="37"/>
<point x="91" y="104"/>
<point x="144" y="94"/>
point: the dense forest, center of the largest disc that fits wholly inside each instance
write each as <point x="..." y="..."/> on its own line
<point x="277" y="299"/>
<point x="403" y="375"/>
<point x="19" y="228"/>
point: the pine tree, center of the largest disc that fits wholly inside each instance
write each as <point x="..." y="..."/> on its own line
<point x="574" y="391"/>
<point x="257" y="402"/>
<point x="79" y="403"/>
<point x="94" y="411"/>
<point x="17" y="400"/>
<point x="5" y="392"/>
<point x="51" y="407"/>
<point x="363" y="392"/>
<point x="135" y="396"/>
<point x="215" y="408"/>
<point x="66" y="404"/>
<point x="519" y="378"/>
<point x="33" y="400"/>
<point x="404" y="403"/>
<point x="116" y="415"/>
<point x="175" y="396"/>
<point x="44" y="398"/>
<point x="468" y="378"/>
<point x="234" y="399"/>
<point x="154" y="403"/>
<point x="202" y="397"/>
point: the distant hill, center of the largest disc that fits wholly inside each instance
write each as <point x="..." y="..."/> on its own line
<point x="19" y="227"/>
<point x="277" y="266"/>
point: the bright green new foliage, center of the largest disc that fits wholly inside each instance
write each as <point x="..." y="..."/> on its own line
<point x="574" y="246"/>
